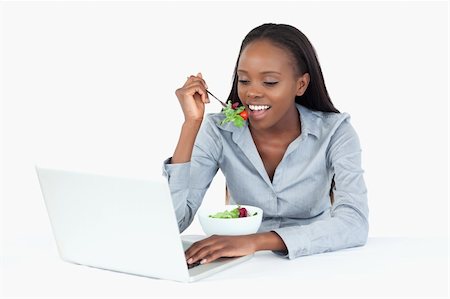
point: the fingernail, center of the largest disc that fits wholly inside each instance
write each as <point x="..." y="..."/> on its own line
<point x="203" y="261"/>
<point x="189" y="261"/>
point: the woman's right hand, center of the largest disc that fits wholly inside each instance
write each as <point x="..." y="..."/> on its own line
<point x="193" y="97"/>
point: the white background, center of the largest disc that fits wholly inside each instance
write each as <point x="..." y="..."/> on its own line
<point x="91" y="87"/>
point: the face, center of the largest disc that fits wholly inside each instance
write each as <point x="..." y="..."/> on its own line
<point x="268" y="84"/>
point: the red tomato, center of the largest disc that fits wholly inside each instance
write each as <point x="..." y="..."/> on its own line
<point x="244" y="114"/>
<point x="243" y="212"/>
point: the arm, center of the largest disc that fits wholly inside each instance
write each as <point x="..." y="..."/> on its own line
<point x="192" y="97"/>
<point x="183" y="151"/>
<point x="348" y="225"/>
<point x="269" y="241"/>
<point x="216" y="246"/>
<point x="192" y="167"/>
<point x="189" y="180"/>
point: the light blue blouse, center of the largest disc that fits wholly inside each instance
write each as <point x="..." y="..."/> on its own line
<point x="296" y="204"/>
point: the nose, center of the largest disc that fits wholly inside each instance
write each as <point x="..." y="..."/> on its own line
<point x="252" y="93"/>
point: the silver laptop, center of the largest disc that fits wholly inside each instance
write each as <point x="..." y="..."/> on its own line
<point x="120" y="224"/>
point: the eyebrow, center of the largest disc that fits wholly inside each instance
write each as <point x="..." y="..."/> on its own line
<point x="265" y="72"/>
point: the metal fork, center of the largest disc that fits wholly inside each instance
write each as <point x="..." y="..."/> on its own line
<point x="223" y="104"/>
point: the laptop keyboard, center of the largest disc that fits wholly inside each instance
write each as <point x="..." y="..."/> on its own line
<point x="190" y="266"/>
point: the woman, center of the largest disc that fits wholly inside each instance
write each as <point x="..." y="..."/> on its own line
<point x="294" y="146"/>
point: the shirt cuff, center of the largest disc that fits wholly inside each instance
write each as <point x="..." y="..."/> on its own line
<point x="176" y="174"/>
<point x="296" y="241"/>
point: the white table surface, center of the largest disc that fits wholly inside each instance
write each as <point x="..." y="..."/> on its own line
<point x="385" y="267"/>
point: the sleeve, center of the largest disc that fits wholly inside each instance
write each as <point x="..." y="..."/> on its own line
<point x="188" y="182"/>
<point x="348" y="225"/>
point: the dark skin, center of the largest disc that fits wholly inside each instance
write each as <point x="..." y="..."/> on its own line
<point x="272" y="151"/>
<point x="261" y="65"/>
<point x="272" y="134"/>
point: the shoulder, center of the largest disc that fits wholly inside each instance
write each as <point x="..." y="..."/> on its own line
<point x="336" y="131"/>
<point x="324" y="124"/>
<point x="210" y="128"/>
<point x="209" y="139"/>
<point x="213" y="121"/>
<point x="214" y="118"/>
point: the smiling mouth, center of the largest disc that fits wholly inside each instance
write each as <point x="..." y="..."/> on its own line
<point x="259" y="107"/>
<point x="258" y="112"/>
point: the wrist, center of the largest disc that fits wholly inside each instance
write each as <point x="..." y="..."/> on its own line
<point x="268" y="241"/>
<point x="192" y="122"/>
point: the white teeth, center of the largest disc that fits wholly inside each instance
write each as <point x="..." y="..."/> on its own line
<point x="258" y="107"/>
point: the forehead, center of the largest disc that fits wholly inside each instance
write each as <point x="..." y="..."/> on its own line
<point x="263" y="56"/>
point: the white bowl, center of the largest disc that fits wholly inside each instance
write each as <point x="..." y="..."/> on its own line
<point x="230" y="226"/>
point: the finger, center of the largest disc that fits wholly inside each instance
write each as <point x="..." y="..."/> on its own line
<point x="189" y="79"/>
<point x="193" y="78"/>
<point x="198" y="88"/>
<point x="198" y="79"/>
<point x="191" y="251"/>
<point x="197" y="246"/>
<point x="202" y="94"/>
<point x="193" y="82"/>
<point x="200" y="254"/>
<point x="193" y="248"/>
<point x="200" y="249"/>
<point x="212" y="256"/>
<point x="199" y="75"/>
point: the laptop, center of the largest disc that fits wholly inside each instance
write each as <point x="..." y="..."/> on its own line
<point x="120" y="224"/>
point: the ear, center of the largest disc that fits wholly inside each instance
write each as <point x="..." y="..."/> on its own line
<point x="302" y="84"/>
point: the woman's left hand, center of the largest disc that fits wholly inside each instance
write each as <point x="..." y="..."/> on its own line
<point x="214" y="247"/>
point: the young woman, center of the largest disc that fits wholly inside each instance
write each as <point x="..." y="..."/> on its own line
<point x="293" y="148"/>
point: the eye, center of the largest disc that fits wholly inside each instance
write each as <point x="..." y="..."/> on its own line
<point x="270" y="83"/>
<point x="243" y="81"/>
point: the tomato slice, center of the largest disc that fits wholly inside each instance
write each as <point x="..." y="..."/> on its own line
<point x="244" y="114"/>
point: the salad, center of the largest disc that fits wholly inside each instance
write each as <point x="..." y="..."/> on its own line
<point x="235" y="114"/>
<point x="235" y="213"/>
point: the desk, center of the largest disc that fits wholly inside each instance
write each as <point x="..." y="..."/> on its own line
<point x="385" y="267"/>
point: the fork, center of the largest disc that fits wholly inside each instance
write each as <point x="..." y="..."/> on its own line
<point x="223" y="104"/>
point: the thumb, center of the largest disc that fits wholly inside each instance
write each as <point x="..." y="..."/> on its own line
<point x="200" y="75"/>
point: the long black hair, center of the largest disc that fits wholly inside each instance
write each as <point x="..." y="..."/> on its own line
<point x="293" y="40"/>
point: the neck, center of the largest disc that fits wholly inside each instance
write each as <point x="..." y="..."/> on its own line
<point x="289" y="126"/>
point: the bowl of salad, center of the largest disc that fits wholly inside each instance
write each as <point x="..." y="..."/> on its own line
<point x="231" y="220"/>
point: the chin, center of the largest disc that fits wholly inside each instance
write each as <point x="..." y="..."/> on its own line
<point x="261" y="125"/>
